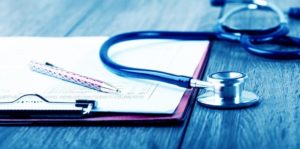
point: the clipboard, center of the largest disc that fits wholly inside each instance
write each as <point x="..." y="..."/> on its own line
<point x="74" y="116"/>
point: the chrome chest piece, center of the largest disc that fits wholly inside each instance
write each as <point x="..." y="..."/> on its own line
<point x="227" y="91"/>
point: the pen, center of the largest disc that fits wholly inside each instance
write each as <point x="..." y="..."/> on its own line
<point x="59" y="73"/>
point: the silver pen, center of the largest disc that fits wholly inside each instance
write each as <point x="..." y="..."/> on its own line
<point x="59" y="73"/>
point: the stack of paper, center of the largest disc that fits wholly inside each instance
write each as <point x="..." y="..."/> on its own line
<point x="81" y="55"/>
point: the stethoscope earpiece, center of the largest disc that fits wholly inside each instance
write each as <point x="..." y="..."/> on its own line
<point x="227" y="91"/>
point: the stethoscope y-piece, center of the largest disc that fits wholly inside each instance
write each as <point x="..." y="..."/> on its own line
<point x="227" y="91"/>
<point x="258" y="35"/>
<point x="250" y="38"/>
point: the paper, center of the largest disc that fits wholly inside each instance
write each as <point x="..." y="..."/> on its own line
<point x="81" y="55"/>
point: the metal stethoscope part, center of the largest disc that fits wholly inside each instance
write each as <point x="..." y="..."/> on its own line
<point x="227" y="91"/>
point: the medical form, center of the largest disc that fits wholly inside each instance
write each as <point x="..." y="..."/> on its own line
<point x="80" y="55"/>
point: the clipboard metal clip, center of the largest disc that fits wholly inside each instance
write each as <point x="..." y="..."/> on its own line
<point x="35" y="105"/>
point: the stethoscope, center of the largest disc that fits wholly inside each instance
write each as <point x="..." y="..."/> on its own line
<point x="223" y="89"/>
<point x="248" y="38"/>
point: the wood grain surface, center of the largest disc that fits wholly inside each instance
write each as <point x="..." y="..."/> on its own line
<point x="272" y="124"/>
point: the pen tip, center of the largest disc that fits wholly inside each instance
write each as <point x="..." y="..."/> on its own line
<point x="49" y="64"/>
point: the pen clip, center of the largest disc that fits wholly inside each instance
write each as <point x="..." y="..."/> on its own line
<point x="35" y="105"/>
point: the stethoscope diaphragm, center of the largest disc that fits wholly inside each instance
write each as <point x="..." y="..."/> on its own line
<point x="227" y="91"/>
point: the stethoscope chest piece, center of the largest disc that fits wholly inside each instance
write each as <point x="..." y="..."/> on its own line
<point x="227" y="92"/>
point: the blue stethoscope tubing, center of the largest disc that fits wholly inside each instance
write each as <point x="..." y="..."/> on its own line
<point x="273" y="54"/>
<point x="179" y="80"/>
<point x="247" y="38"/>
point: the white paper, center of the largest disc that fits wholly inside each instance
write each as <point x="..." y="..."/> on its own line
<point x="81" y="55"/>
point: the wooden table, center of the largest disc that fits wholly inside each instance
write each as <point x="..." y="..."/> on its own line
<point x="275" y="123"/>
